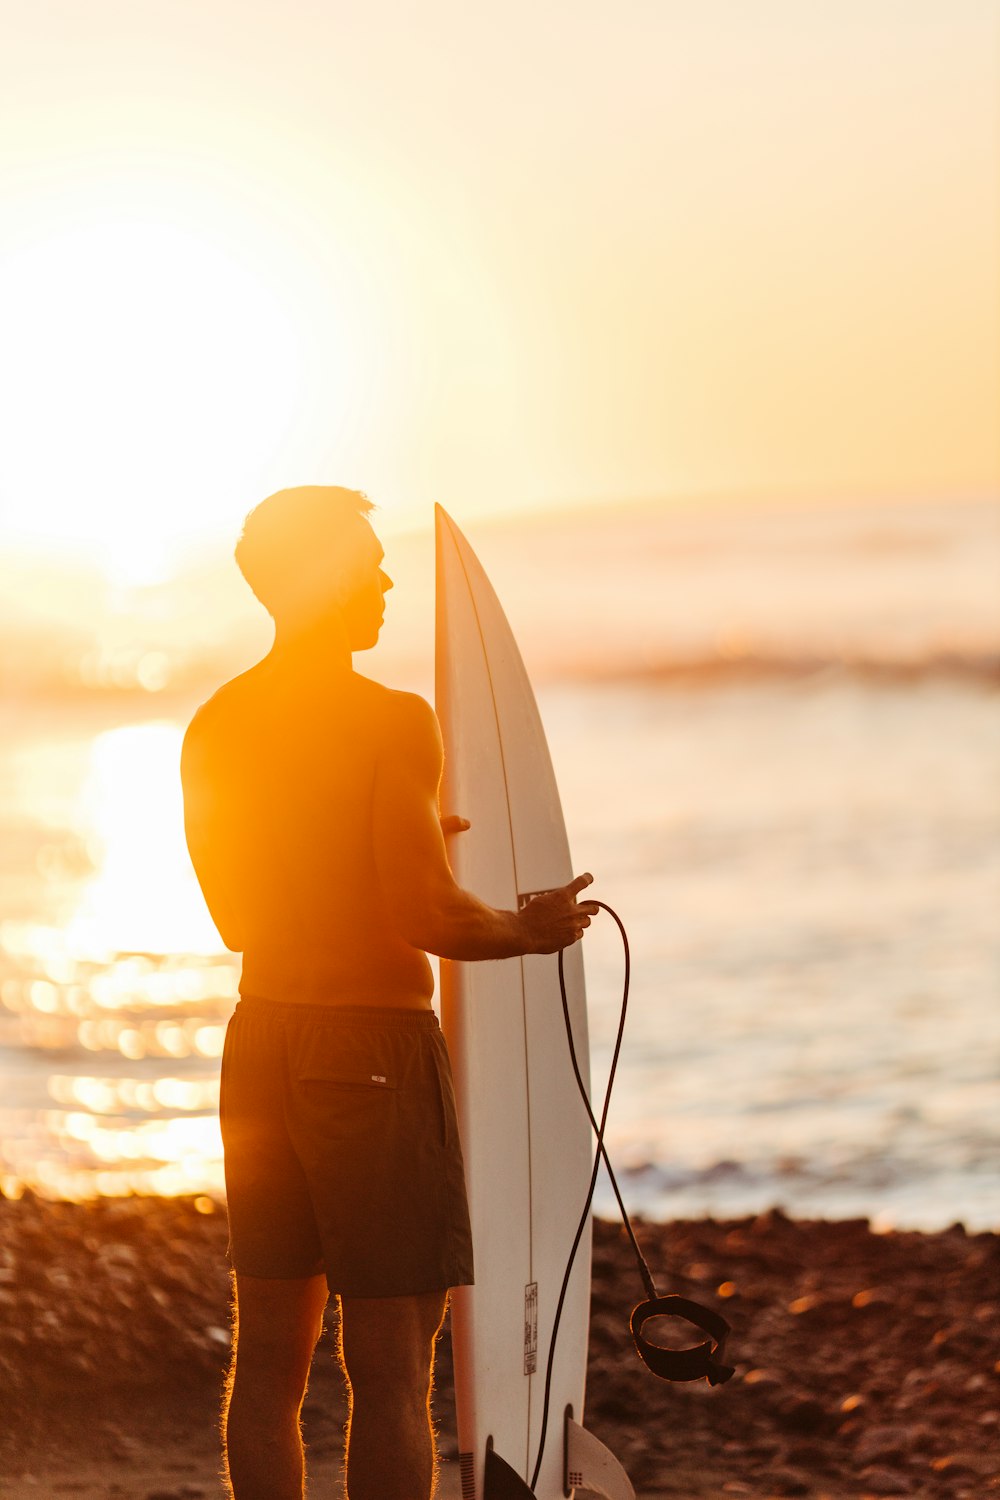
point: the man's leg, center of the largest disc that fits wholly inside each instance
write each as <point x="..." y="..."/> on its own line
<point x="388" y="1351"/>
<point x="275" y="1328"/>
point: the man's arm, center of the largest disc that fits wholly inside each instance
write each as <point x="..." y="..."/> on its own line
<point x="426" y="905"/>
<point x="206" y="838"/>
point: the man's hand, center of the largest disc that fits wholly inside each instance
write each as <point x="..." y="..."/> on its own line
<point x="556" y="919"/>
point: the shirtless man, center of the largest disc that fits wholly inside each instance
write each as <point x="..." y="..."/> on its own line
<point x="311" y="812"/>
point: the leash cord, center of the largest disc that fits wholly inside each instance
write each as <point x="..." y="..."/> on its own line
<point x="599" y="1156"/>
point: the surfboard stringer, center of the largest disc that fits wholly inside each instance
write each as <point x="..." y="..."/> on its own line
<point x="587" y="1465"/>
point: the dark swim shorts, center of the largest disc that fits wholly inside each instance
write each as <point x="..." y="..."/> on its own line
<point x="341" y="1148"/>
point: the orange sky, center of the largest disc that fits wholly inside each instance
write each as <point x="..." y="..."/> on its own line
<point x="490" y="255"/>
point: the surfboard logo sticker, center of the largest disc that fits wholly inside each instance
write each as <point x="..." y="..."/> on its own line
<point x="531" y="1328"/>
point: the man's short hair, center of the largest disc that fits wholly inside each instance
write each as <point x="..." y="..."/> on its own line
<point x="283" y="535"/>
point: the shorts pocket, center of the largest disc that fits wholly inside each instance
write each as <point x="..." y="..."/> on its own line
<point x="343" y="1078"/>
<point x="345" y="1087"/>
<point x="329" y="1056"/>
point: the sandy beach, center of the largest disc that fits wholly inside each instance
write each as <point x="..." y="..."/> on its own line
<point x="867" y="1364"/>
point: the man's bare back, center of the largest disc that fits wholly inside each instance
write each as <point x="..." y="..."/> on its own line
<point x="285" y="778"/>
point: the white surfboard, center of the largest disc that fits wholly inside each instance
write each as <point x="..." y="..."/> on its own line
<point x="525" y="1133"/>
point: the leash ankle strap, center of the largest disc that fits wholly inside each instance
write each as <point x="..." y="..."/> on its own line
<point x="704" y="1361"/>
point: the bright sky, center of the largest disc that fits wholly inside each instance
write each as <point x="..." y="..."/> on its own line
<point x="498" y="255"/>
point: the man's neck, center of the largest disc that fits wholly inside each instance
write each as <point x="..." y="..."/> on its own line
<point x="320" y="649"/>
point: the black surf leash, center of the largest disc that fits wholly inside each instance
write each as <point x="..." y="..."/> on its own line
<point x="703" y="1361"/>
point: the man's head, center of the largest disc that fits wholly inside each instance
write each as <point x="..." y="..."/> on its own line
<point x="309" y="554"/>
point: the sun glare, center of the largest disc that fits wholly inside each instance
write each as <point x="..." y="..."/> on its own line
<point x="147" y="378"/>
<point x="144" y="896"/>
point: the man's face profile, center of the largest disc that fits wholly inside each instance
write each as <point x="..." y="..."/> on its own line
<point x="363" y="598"/>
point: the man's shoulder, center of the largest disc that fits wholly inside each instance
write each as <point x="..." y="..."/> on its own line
<point x="402" y="723"/>
<point x="218" y="716"/>
<point x="397" y="708"/>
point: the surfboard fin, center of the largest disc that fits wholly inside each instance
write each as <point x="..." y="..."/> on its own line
<point x="501" y="1482"/>
<point x="591" y="1466"/>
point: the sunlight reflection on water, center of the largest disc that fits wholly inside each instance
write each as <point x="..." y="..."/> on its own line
<point x="131" y="802"/>
<point x="128" y="970"/>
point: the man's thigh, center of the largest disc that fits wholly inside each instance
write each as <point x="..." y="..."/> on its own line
<point x="385" y="1340"/>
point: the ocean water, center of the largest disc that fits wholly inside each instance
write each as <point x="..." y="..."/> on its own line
<point x="777" y="736"/>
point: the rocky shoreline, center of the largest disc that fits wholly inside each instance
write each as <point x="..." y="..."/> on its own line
<point x="866" y="1364"/>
